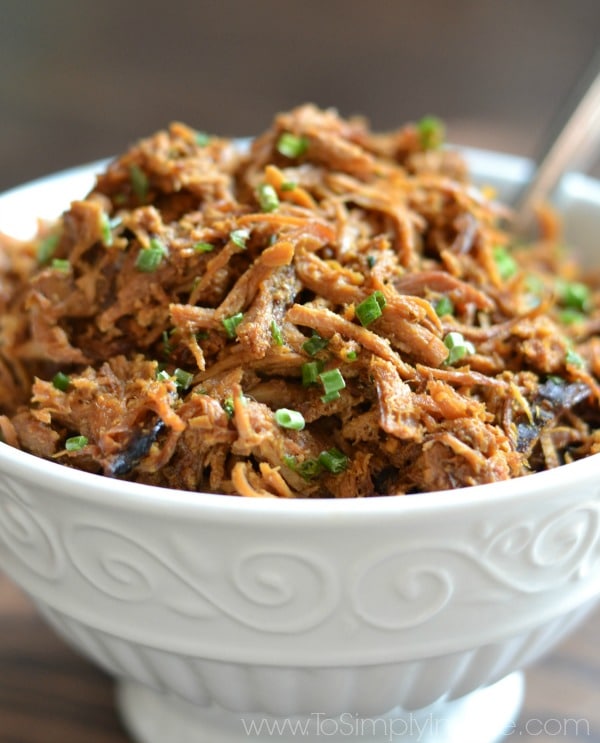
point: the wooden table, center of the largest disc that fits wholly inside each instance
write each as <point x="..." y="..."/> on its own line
<point x="48" y="694"/>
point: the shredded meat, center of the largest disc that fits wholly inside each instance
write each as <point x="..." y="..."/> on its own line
<point x="327" y="313"/>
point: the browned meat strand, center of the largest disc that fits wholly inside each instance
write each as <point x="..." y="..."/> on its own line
<point x="331" y="313"/>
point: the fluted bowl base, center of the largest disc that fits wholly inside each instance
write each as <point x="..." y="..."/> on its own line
<point x="483" y="716"/>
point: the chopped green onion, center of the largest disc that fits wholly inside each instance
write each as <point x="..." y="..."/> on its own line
<point x="457" y="347"/>
<point x="167" y="348"/>
<point x="310" y="372"/>
<point x="574" y="294"/>
<point x="202" y="139"/>
<point x="351" y="356"/>
<point x="444" y="306"/>
<point x="276" y="334"/>
<point x="574" y="358"/>
<point x="505" y="263"/>
<point x="183" y="379"/>
<point x="332" y="382"/>
<point x="46" y="249"/>
<point x="288" y="186"/>
<point x="370" y="308"/>
<point x="371" y="261"/>
<point x="314" y="344"/>
<point x="431" y="131"/>
<point x="291" y="419"/>
<point x="290" y="145"/>
<point x="230" y="324"/>
<point x="76" y="443"/>
<point x="61" y="381"/>
<point x="570" y="316"/>
<point x="162" y="375"/>
<point x="239" y="238"/>
<point x="228" y="406"/>
<point x="61" y="264"/>
<point x="330" y="396"/>
<point x="267" y="197"/>
<point x="308" y="469"/>
<point x="106" y="229"/>
<point x="203" y="247"/>
<point x="290" y="462"/>
<point x="333" y="460"/>
<point x="150" y="258"/>
<point x="139" y="182"/>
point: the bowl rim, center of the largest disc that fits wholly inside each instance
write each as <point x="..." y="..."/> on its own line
<point x="95" y="488"/>
<point x="511" y="170"/>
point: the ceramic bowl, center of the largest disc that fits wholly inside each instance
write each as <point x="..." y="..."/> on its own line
<point x="225" y="618"/>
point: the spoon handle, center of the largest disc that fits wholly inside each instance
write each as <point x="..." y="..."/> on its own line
<point x="573" y="137"/>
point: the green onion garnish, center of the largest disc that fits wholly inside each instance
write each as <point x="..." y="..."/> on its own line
<point x="150" y="258"/>
<point x="574" y="358"/>
<point x="310" y="372"/>
<point x="76" y="443"/>
<point x="228" y="406"/>
<point x="290" y="145"/>
<point x="333" y="461"/>
<point x="106" y="229"/>
<point x="370" y="308"/>
<point x="351" y="356"/>
<point x="570" y="316"/>
<point x="267" y="197"/>
<point x="505" y="263"/>
<point x="308" y="469"/>
<point x="431" y="132"/>
<point x="61" y="264"/>
<point x="288" y="185"/>
<point x="230" y="324"/>
<point x="202" y="139"/>
<point x="46" y="249"/>
<point x="162" y="375"/>
<point x="291" y="419"/>
<point x="61" y="381"/>
<point x="314" y="344"/>
<point x="276" y="334"/>
<point x="457" y="347"/>
<point x="203" y="247"/>
<point x="166" y="339"/>
<point x="139" y="182"/>
<point x="183" y="379"/>
<point x="239" y="238"/>
<point x="444" y="306"/>
<point x="332" y="381"/>
<point x="574" y="294"/>
<point x="371" y="260"/>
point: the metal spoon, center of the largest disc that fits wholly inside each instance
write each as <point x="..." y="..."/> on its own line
<point x="573" y="137"/>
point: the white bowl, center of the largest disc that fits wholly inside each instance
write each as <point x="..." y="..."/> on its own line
<point x="219" y="613"/>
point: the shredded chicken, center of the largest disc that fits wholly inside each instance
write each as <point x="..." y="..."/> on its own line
<point x="328" y="313"/>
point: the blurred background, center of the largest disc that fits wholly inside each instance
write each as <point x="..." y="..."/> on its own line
<point x="80" y="80"/>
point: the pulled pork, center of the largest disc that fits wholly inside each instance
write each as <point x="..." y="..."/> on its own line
<point x="328" y="313"/>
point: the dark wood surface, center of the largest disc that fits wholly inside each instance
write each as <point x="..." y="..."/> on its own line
<point x="48" y="694"/>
